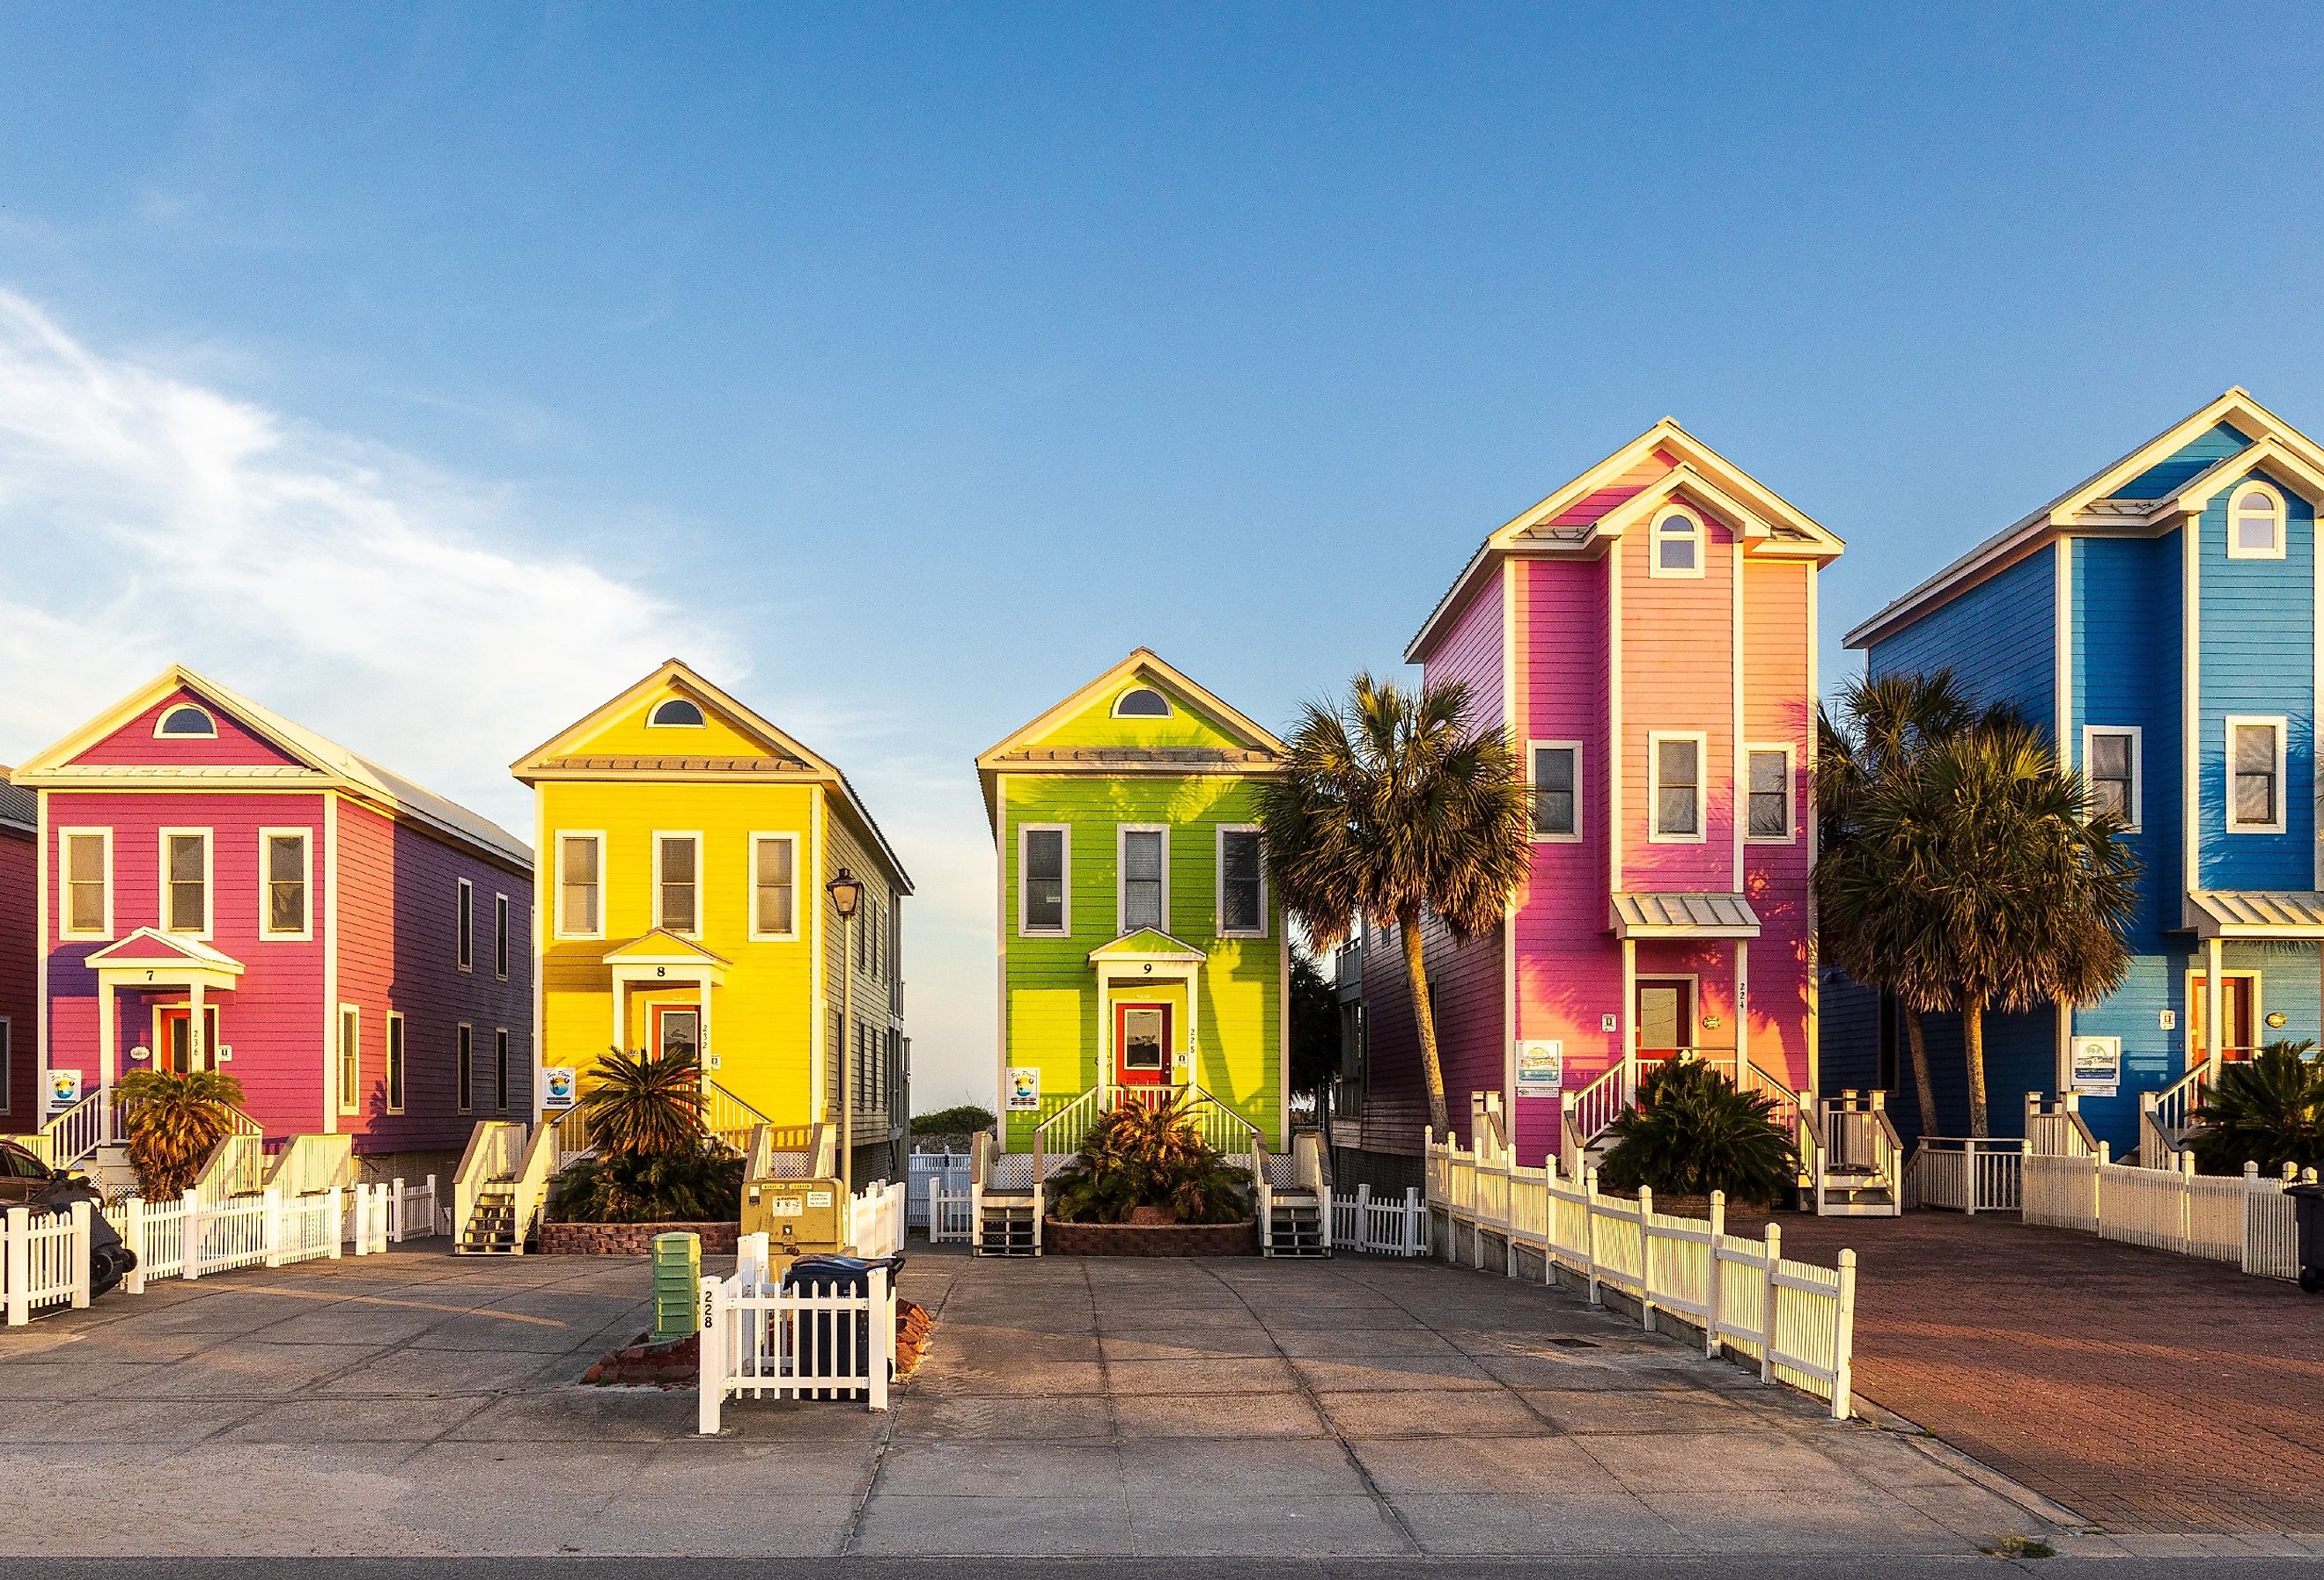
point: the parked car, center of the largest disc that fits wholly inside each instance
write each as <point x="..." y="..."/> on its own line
<point x="22" y="1175"/>
<point x="27" y="1181"/>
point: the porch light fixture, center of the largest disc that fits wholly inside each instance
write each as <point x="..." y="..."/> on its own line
<point x="846" y="891"/>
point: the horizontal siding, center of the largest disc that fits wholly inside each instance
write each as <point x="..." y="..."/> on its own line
<point x="2259" y="645"/>
<point x="1471" y="654"/>
<point x="1999" y="639"/>
<point x="134" y="742"/>
<point x="1778" y="654"/>
<point x="20" y="973"/>
<point x="1678" y="663"/>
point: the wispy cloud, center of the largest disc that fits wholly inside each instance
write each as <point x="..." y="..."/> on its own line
<point x="423" y="618"/>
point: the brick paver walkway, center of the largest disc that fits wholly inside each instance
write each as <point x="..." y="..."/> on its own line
<point x="2146" y="1392"/>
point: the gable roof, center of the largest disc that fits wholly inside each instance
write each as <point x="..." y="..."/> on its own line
<point x="316" y="758"/>
<point x="781" y="755"/>
<point x="1148" y="943"/>
<point x="20" y="804"/>
<point x="147" y="946"/>
<point x="2107" y="501"/>
<point x="660" y="944"/>
<point x="1679" y="465"/>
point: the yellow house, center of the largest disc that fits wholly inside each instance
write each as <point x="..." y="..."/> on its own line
<point x="687" y="847"/>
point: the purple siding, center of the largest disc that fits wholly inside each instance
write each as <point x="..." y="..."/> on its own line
<point x="20" y="973"/>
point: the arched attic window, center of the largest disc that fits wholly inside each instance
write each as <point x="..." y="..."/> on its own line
<point x="2255" y="523"/>
<point x="674" y="713"/>
<point x="1141" y="702"/>
<point x="1678" y="543"/>
<point x="186" y="721"/>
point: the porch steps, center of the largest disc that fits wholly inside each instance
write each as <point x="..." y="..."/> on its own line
<point x="490" y="1228"/>
<point x="1008" y="1228"/>
<point x="1854" y="1191"/>
<point x="109" y="1169"/>
<point x="1294" y="1225"/>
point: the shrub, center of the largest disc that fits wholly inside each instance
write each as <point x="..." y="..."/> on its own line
<point x="964" y="1120"/>
<point x="644" y="1105"/>
<point x="1692" y="1133"/>
<point x="701" y="1185"/>
<point x="2268" y="1110"/>
<point x="1140" y="1157"/>
<point x="175" y="1123"/>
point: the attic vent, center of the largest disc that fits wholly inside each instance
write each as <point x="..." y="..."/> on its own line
<point x="1141" y="702"/>
<point x="186" y="721"/>
<point x="675" y="712"/>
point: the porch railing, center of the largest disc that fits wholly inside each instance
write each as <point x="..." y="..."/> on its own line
<point x="728" y="1117"/>
<point x="1967" y="1174"/>
<point x="73" y="1134"/>
<point x="1586" y="1113"/>
<point x="1858" y="1139"/>
<point x="2059" y="1129"/>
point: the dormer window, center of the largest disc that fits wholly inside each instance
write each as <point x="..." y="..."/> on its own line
<point x="674" y="713"/>
<point x="186" y="721"/>
<point x="2255" y="523"/>
<point x="1677" y="544"/>
<point x="1141" y="702"/>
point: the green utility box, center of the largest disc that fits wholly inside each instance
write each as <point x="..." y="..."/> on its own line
<point x="676" y="1285"/>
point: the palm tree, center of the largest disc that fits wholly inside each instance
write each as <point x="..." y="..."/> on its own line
<point x="174" y="1123"/>
<point x="1392" y="807"/>
<point x="643" y="1104"/>
<point x="2268" y="1110"/>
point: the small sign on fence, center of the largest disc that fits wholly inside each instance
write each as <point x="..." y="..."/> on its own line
<point x="1541" y="1068"/>
<point x="2097" y="1065"/>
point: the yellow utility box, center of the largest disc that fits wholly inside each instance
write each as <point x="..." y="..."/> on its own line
<point x="797" y="1215"/>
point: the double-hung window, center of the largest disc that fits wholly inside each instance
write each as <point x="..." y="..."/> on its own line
<point x="2110" y="766"/>
<point x="87" y="861"/>
<point x="2255" y="775"/>
<point x="1044" y="867"/>
<point x="464" y="925"/>
<point x="350" y="1058"/>
<point x="1557" y="784"/>
<point x="284" y="871"/>
<point x="678" y="896"/>
<point x="1145" y="858"/>
<point x="580" y="859"/>
<point x="1770" y="813"/>
<point x="1675" y="768"/>
<point x="774" y="885"/>
<point x="1242" y="885"/>
<point x="186" y="881"/>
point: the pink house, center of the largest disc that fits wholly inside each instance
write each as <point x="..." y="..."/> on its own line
<point x="220" y="888"/>
<point x="1646" y="636"/>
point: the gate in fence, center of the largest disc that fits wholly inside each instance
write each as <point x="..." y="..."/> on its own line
<point x="930" y="1173"/>
<point x="1382" y="1225"/>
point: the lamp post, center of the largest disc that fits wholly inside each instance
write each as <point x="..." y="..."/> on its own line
<point x="846" y="891"/>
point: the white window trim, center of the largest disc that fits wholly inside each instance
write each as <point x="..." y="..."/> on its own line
<point x="464" y="903"/>
<point x="1169" y="710"/>
<point x="750" y="882"/>
<point x="2282" y="515"/>
<point x="2136" y="809"/>
<point x="350" y="1101"/>
<point x="654" y="722"/>
<point x="1219" y="897"/>
<point x="396" y="1030"/>
<point x="175" y="707"/>
<point x="1121" y="832"/>
<point x="1701" y="535"/>
<point x="1064" y="831"/>
<point x="501" y="950"/>
<point x="306" y="838"/>
<point x="1702" y="739"/>
<point x="1791" y="835"/>
<point x="595" y="837"/>
<point x="65" y="837"/>
<point x="2282" y="725"/>
<point x="209" y="881"/>
<point x="654" y="921"/>
<point x="1536" y="834"/>
<point x="464" y="1034"/>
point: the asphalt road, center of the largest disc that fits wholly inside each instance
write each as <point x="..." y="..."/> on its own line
<point x="1729" y="1567"/>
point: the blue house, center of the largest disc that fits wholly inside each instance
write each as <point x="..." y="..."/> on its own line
<point x="2160" y="621"/>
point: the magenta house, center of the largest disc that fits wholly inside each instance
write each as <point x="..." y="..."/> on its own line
<point x="220" y="888"/>
<point x="1646" y="636"/>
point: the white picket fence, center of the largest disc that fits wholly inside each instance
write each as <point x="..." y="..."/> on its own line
<point x="1964" y="1174"/>
<point x="1384" y="1226"/>
<point x="414" y="1212"/>
<point x="875" y="1219"/>
<point x="1795" y="1320"/>
<point x="191" y="1238"/>
<point x="2246" y="1219"/>
<point x="952" y="1213"/>
<point x="757" y="1340"/>
<point x="43" y="1261"/>
<point x="930" y="1173"/>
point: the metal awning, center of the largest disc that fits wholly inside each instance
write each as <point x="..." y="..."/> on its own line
<point x="2256" y="913"/>
<point x="1706" y="915"/>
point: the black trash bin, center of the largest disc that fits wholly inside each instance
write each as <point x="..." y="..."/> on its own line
<point x="2309" y="1206"/>
<point x="846" y="1340"/>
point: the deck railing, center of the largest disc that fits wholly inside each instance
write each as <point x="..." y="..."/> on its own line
<point x="1966" y="1174"/>
<point x="72" y="1135"/>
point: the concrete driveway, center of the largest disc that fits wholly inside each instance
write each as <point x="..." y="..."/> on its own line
<point x="419" y="1404"/>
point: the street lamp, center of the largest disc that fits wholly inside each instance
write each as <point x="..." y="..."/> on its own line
<point x="846" y="891"/>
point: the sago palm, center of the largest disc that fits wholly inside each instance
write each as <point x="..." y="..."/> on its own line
<point x="1395" y="808"/>
<point x="1150" y="1157"/>
<point x="174" y="1121"/>
<point x="2268" y="1110"/>
<point x="1692" y="1133"/>
<point x="644" y="1104"/>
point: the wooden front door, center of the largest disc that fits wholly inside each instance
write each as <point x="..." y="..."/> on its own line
<point x="1142" y="1044"/>
<point x="173" y="1049"/>
<point x="677" y="1029"/>
<point x="2238" y="1028"/>
<point x="1665" y="1016"/>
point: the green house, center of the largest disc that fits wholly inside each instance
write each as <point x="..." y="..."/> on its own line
<point x="1140" y="947"/>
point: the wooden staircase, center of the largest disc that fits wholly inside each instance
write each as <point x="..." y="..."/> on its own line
<point x="1852" y="1159"/>
<point x="1295" y="1198"/>
<point x="491" y="1229"/>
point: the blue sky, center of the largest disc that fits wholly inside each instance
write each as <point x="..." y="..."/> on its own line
<point x="432" y="372"/>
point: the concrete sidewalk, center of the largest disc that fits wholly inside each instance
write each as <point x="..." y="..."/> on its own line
<point x="417" y="1404"/>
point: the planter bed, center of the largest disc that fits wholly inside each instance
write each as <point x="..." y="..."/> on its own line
<point x="630" y="1239"/>
<point x="1062" y="1239"/>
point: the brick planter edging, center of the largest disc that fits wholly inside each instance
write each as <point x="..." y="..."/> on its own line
<point x="1063" y="1239"/>
<point x="630" y="1239"/>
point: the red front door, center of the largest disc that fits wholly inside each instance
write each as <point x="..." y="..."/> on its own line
<point x="173" y="1045"/>
<point x="677" y="1029"/>
<point x="1142" y="1044"/>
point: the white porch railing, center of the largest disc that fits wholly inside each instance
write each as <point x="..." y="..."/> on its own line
<point x="1965" y="1174"/>
<point x="313" y="1164"/>
<point x="2246" y="1219"/>
<point x="68" y="1137"/>
<point x="728" y="1117"/>
<point x="496" y="1153"/>
<point x="2057" y="1130"/>
<point x="2165" y="1117"/>
<point x="757" y="1340"/>
<point x="43" y="1261"/>
<point x="1383" y="1226"/>
<point x="1584" y="1113"/>
<point x="1797" y="1320"/>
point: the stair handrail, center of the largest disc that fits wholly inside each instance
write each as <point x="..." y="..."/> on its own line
<point x="2166" y="1116"/>
<point x="1311" y="1163"/>
<point x="1758" y="1081"/>
<point x="1226" y="1130"/>
<point x="1063" y="1131"/>
<point x="495" y="1151"/>
<point x="572" y="1128"/>
<point x="2059" y="1129"/>
<point x="1601" y="1102"/>
<point x="309" y="1165"/>
<point x="71" y="1134"/>
<point x="531" y="1193"/>
<point x="1807" y="1140"/>
<point x="727" y="1116"/>
<point x="236" y="1166"/>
